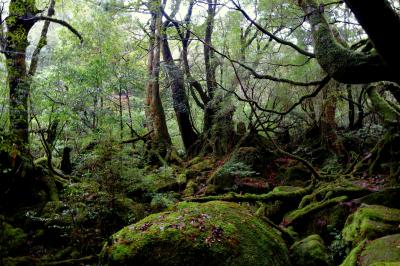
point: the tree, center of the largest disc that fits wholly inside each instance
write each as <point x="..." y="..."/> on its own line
<point x="160" y="139"/>
<point x="353" y="67"/>
<point x="22" y="16"/>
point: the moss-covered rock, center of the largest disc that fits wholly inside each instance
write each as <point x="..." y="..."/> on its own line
<point x="297" y="174"/>
<point x="217" y="233"/>
<point x="310" y="251"/>
<point x="371" y="221"/>
<point x="352" y="257"/>
<point x="198" y="166"/>
<point x="11" y="238"/>
<point x="229" y="176"/>
<point x="382" y="250"/>
<point x="299" y="216"/>
<point x="388" y="197"/>
<point x="252" y="157"/>
<point x="190" y="189"/>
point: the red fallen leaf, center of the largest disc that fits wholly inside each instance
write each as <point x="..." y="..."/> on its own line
<point x="145" y="226"/>
<point x="284" y="223"/>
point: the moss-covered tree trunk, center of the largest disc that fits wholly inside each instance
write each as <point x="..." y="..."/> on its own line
<point x="160" y="139"/>
<point x="210" y="108"/>
<point x="19" y="23"/>
<point x="179" y="97"/>
<point x="328" y="119"/>
<point x="344" y="64"/>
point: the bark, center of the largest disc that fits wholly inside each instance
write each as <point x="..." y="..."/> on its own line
<point x="351" y="107"/>
<point x="328" y="120"/>
<point x="66" y="165"/>
<point x="389" y="114"/>
<point x="150" y="61"/>
<point x="179" y="97"/>
<point x="375" y="17"/>
<point x="194" y="84"/>
<point x="160" y="141"/>
<point x="209" y="111"/>
<point x="42" y="40"/>
<point x="343" y="64"/>
<point x="19" y="25"/>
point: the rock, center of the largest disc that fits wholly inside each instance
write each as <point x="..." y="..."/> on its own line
<point x="251" y="185"/>
<point x="11" y="238"/>
<point x="197" y="166"/>
<point x="388" y="197"/>
<point x="370" y="222"/>
<point x="240" y="171"/>
<point x="297" y="175"/>
<point x="229" y="174"/>
<point x="254" y="157"/>
<point x="382" y="250"/>
<point x="212" y="233"/>
<point x="190" y="189"/>
<point x="310" y="251"/>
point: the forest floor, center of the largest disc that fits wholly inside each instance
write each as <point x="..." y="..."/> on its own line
<point x="325" y="220"/>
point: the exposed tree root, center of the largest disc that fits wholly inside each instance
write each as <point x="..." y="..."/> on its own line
<point x="299" y="214"/>
<point x="269" y="197"/>
<point x="328" y="191"/>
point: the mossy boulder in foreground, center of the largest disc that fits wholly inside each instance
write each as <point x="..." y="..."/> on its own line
<point x="212" y="233"/>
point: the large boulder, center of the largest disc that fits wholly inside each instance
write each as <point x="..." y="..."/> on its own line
<point x="381" y="251"/>
<point x="310" y="251"/>
<point x="213" y="233"/>
<point x="370" y="222"/>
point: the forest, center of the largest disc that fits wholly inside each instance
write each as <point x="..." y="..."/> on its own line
<point x="200" y="132"/>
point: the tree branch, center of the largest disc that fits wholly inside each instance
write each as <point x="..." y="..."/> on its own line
<point x="42" y="40"/>
<point x="63" y="23"/>
<point x="272" y="36"/>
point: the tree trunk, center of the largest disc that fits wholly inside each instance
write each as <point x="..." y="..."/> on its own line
<point x="160" y="140"/>
<point x="328" y="119"/>
<point x="18" y="79"/>
<point x="366" y="13"/>
<point x="351" y="107"/>
<point x="344" y="64"/>
<point x="179" y="97"/>
<point x="210" y="108"/>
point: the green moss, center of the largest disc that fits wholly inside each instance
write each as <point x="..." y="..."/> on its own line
<point x="397" y="263"/>
<point x="389" y="114"/>
<point x="382" y="250"/>
<point x="371" y="221"/>
<point x="181" y="178"/>
<point x="301" y="214"/>
<point x="286" y="189"/>
<point x="297" y="173"/>
<point x="191" y="188"/>
<point x="197" y="166"/>
<point x="11" y="238"/>
<point x="197" y="234"/>
<point x="310" y="251"/>
<point x="352" y="258"/>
